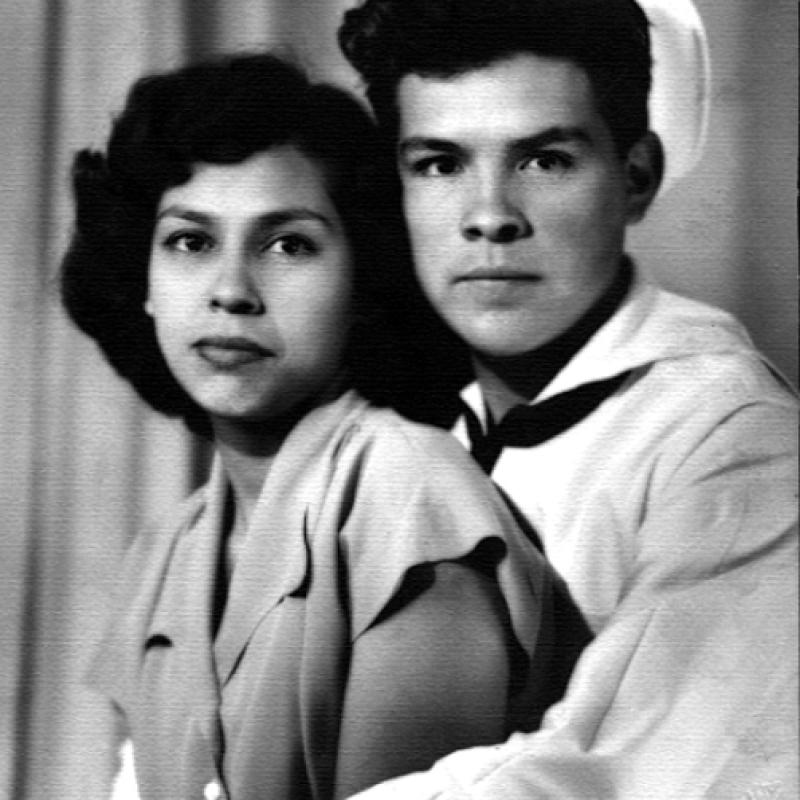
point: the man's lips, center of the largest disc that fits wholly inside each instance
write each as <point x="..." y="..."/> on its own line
<point x="230" y="351"/>
<point x="500" y="274"/>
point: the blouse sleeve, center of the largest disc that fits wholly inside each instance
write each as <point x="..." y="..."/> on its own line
<point x="429" y="679"/>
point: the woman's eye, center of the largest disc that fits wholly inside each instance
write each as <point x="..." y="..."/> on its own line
<point x="188" y="242"/>
<point x="292" y="246"/>
<point x="435" y="167"/>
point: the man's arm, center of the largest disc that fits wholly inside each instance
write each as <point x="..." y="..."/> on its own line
<point x="690" y="690"/>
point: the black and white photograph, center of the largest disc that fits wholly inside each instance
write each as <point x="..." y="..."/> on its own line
<point x="399" y="400"/>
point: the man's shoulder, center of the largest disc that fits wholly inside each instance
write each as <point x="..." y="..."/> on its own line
<point x="678" y="324"/>
<point x="709" y="348"/>
<point x="742" y="376"/>
<point x="673" y="343"/>
<point x="708" y="327"/>
<point x="678" y="338"/>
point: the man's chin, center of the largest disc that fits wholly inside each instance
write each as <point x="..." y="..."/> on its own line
<point x="510" y="333"/>
<point x="499" y="344"/>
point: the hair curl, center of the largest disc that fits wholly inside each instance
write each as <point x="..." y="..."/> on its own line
<point x="222" y="112"/>
<point x="388" y="39"/>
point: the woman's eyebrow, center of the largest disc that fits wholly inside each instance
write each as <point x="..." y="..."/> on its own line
<point x="183" y="212"/>
<point x="301" y="213"/>
<point x="267" y="219"/>
<point x="418" y="143"/>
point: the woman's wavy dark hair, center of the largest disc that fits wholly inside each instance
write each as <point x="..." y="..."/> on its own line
<point x="388" y="39"/>
<point x="222" y="112"/>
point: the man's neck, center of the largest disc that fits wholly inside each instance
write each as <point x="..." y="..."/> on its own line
<point x="508" y="382"/>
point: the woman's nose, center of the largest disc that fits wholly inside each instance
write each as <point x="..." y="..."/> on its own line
<point x="493" y="215"/>
<point x="234" y="290"/>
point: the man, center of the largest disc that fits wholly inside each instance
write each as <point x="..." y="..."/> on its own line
<point x="648" y="443"/>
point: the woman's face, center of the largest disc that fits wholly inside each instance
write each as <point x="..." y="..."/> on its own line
<point x="250" y="285"/>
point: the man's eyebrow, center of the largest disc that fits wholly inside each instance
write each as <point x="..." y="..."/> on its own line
<point x="556" y="134"/>
<point x="267" y="219"/>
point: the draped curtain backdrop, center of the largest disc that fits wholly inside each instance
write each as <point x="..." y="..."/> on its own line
<point x="83" y="465"/>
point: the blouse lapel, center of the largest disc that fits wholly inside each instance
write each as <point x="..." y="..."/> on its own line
<point x="273" y="562"/>
<point x="271" y="565"/>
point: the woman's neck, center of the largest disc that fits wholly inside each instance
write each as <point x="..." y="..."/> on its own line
<point x="247" y="451"/>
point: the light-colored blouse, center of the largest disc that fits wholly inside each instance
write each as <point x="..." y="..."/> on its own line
<point x="385" y="610"/>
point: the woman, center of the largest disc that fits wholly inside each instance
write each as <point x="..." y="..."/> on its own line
<point x="346" y="599"/>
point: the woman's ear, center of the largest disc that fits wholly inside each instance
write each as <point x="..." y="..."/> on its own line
<point x="644" y="169"/>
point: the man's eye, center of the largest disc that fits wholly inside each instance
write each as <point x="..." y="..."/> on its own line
<point x="188" y="242"/>
<point x="547" y="162"/>
<point x="435" y="166"/>
<point x="292" y="246"/>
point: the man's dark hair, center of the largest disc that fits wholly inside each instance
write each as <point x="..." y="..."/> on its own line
<point x="388" y="39"/>
<point x="219" y="112"/>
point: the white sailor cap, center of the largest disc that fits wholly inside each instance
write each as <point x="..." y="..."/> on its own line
<point x="680" y="94"/>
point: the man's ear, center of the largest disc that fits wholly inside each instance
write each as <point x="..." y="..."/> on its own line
<point x="644" y="169"/>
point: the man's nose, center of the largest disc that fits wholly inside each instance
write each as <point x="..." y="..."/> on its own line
<point x="495" y="216"/>
<point x="234" y="288"/>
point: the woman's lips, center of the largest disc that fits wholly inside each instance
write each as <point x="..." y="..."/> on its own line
<point x="228" y="352"/>
<point x="480" y="274"/>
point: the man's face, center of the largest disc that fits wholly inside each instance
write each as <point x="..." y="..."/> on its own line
<point x="515" y="199"/>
